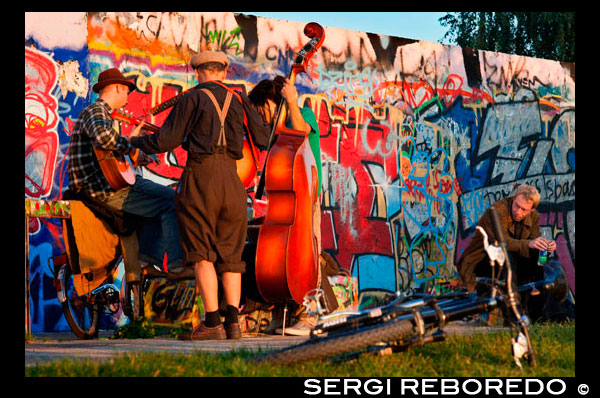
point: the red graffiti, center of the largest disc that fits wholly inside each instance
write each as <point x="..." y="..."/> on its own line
<point x="346" y="208"/>
<point x="41" y="139"/>
<point x="452" y="88"/>
<point x="139" y="104"/>
<point x="404" y="93"/>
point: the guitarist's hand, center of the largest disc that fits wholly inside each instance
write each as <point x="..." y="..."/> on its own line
<point x="137" y="131"/>
<point x="146" y="159"/>
<point x="139" y="158"/>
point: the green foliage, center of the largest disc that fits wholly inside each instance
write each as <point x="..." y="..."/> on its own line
<point x="485" y="355"/>
<point x="141" y="328"/>
<point x="548" y="35"/>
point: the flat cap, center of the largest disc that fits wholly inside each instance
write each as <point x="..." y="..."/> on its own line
<point x="204" y="57"/>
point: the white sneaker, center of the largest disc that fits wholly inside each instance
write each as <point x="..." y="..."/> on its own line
<point x="301" y="328"/>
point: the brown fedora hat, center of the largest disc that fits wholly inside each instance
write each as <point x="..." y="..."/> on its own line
<point x="112" y="76"/>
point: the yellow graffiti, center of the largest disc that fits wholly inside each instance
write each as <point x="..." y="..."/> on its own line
<point x="477" y="110"/>
<point x="109" y="35"/>
<point x="155" y="59"/>
<point x="247" y="86"/>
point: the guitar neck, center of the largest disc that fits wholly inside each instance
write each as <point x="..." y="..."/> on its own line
<point x="124" y="117"/>
<point x="168" y="103"/>
<point x="165" y="105"/>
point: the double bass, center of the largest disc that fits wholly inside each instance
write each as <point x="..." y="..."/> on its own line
<point x="287" y="262"/>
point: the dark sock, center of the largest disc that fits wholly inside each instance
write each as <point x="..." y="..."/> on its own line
<point x="231" y="315"/>
<point x="212" y="319"/>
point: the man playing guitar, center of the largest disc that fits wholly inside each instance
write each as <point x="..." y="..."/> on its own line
<point x="153" y="202"/>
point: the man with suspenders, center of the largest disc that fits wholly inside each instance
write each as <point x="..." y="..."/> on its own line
<point x="210" y="199"/>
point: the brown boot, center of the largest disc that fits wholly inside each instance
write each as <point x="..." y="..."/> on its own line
<point x="203" y="332"/>
<point x="276" y="320"/>
<point x="233" y="331"/>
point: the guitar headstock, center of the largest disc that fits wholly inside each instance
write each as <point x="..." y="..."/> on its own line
<point x="122" y="115"/>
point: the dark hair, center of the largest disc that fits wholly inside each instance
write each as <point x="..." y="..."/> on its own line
<point x="267" y="89"/>
<point x="213" y="66"/>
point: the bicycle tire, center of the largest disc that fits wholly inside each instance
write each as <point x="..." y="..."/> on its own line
<point x="355" y="340"/>
<point x="83" y="317"/>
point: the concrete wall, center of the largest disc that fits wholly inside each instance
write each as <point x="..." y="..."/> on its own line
<point x="418" y="138"/>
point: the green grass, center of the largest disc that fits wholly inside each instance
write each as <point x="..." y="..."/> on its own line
<point x="485" y="355"/>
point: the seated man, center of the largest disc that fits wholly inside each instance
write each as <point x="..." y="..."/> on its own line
<point x="150" y="201"/>
<point x="520" y="223"/>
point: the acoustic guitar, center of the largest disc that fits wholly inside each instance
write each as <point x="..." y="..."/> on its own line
<point x="116" y="167"/>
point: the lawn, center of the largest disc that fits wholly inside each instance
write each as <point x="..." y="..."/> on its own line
<point x="479" y="355"/>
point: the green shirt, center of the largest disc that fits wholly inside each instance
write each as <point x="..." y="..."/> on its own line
<point x="313" y="138"/>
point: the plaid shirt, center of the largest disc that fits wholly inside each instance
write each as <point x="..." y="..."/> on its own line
<point x="93" y="127"/>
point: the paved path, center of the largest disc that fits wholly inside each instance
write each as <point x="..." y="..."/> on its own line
<point x="54" y="346"/>
<point x="49" y="347"/>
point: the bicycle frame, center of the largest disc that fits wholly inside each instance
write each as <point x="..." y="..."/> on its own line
<point x="438" y="309"/>
<point x="418" y="318"/>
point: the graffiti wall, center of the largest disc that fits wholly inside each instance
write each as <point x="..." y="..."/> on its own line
<point x="417" y="138"/>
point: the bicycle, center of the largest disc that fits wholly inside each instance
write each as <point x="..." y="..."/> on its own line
<point x="416" y="319"/>
<point x="84" y="297"/>
<point x="82" y="310"/>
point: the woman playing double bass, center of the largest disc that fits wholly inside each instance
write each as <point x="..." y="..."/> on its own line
<point x="265" y="96"/>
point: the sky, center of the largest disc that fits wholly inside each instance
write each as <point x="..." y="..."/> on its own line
<point x="410" y="25"/>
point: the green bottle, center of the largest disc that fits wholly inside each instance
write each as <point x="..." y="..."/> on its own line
<point x="543" y="258"/>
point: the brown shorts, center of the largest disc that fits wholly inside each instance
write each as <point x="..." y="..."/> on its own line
<point x="211" y="211"/>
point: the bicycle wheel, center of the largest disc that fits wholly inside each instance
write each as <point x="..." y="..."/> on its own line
<point x="355" y="340"/>
<point x="81" y="314"/>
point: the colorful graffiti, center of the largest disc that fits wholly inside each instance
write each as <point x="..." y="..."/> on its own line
<point x="41" y="139"/>
<point x="172" y="303"/>
<point x="56" y="90"/>
<point x="417" y="138"/>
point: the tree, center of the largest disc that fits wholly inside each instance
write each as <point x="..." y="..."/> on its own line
<point x="548" y="35"/>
